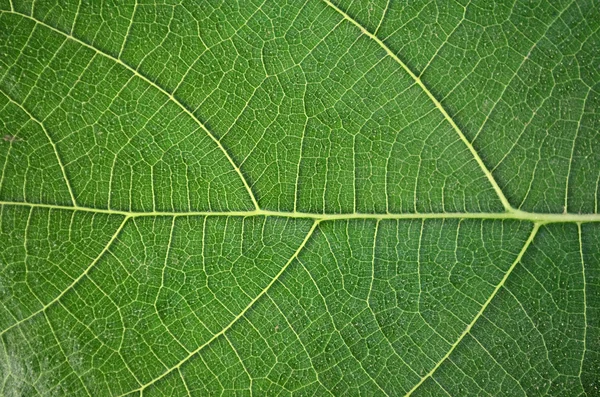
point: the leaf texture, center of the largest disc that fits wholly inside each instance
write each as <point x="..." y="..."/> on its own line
<point x="303" y="198"/>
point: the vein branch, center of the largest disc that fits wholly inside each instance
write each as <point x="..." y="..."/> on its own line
<point x="467" y="330"/>
<point x="435" y="101"/>
<point x="585" y="319"/>
<point x="51" y="141"/>
<point x="158" y="87"/>
<point x="75" y="281"/>
<point x="238" y="317"/>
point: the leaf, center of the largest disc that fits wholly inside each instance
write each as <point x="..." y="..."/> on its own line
<point x="343" y="198"/>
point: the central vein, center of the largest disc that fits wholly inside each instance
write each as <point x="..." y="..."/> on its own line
<point x="512" y="214"/>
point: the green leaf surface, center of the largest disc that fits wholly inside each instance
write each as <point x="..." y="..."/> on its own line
<point x="299" y="198"/>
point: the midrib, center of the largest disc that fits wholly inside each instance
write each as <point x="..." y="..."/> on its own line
<point x="511" y="214"/>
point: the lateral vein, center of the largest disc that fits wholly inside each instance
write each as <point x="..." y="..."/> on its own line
<point x="433" y="99"/>
<point x="238" y="317"/>
<point x="467" y="330"/>
<point x="51" y="141"/>
<point x="159" y="88"/>
<point x="75" y="281"/>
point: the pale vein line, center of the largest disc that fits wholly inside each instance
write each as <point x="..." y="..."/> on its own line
<point x="433" y="99"/>
<point x="70" y="286"/>
<point x="65" y="354"/>
<point x="135" y="6"/>
<point x="516" y="74"/>
<point x="156" y="86"/>
<point x="467" y="330"/>
<point x="419" y="246"/>
<point x="499" y="365"/>
<point x="75" y="17"/>
<point x="368" y="298"/>
<point x="419" y="280"/>
<point x="359" y="362"/>
<point x="585" y="322"/>
<point x="21" y="53"/>
<point x="573" y="149"/>
<point x="48" y="65"/>
<point x="241" y="362"/>
<point x="118" y="350"/>
<point x="302" y="139"/>
<point x="5" y="359"/>
<point x="465" y="372"/>
<point x="210" y="369"/>
<point x="184" y="383"/>
<point x="533" y="325"/>
<point x="310" y="358"/>
<point x="162" y="285"/>
<point x="7" y="156"/>
<point x="442" y="387"/>
<point x="238" y="317"/>
<point x="51" y="141"/>
<point x="385" y="10"/>
<point x="538" y="217"/>
<point x="458" y="24"/>
<point x="28" y="255"/>
<point x="373" y="256"/>
<point x="596" y="191"/>
<point x="354" y="175"/>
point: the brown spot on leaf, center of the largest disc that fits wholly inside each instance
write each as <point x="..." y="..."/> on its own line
<point x="10" y="138"/>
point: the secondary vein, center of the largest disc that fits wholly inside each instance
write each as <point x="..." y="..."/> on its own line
<point x="433" y="99"/>
<point x="239" y="316"/>
<point x="467" y="330"/>
<point x="75" y="281"/>
<point x="51" y="141"/>
<point x="159" y="88"/>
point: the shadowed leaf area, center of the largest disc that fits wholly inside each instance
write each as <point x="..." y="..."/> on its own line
<point x="302" y="198"/>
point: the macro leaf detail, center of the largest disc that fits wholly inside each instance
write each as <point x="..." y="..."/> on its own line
<point x="304" y="198"/>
